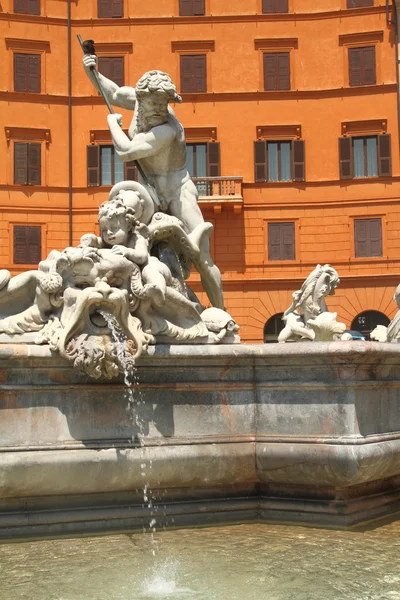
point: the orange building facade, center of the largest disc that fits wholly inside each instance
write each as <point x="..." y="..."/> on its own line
<point x="291" y="112"/>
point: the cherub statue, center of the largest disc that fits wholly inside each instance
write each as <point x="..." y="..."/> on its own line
<point x="128" y="237"/>
<point x="302" y="318"/>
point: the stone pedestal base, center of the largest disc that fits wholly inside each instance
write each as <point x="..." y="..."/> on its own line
<point x="305" y="433"/>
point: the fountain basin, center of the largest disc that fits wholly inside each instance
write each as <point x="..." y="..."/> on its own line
<point x="294" y="433"/>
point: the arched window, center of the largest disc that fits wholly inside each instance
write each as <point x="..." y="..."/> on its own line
<point x="272" y="328"/>
<point x="366" y="321"/>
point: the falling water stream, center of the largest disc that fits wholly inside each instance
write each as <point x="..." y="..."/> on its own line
<point x="134" y="398"/>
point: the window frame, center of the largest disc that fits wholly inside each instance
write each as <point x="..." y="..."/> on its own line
<point x="363" y="83"/>
<point x="382" y="158"/>
<point x="27" y="2"/>
<point x="293" y="163"/>
<point x="110" y="17"/>
<point x="43" y="250"/>
<point x="202" y="14"/>
<point x="372" y="217"/>
<point x="193" y="79"/>
<point x="296" y="244"/>
<point x="356" y="7"/>
<point x="276" y="12"/>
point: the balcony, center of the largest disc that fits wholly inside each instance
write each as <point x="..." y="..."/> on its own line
<point x="219" y="192"/>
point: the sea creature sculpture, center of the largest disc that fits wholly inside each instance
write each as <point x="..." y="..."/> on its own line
<point x="304" y="319"/>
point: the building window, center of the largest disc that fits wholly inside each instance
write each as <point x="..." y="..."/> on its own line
<point x="27" y="245"/>
<point x="104" y="167"/>
<point x="110" y="9"/>
<point x="27" y="73"/>
<point x="359" y="3"/>
<point x="279" y="160"/>
<point x="193" y="73"/>
<point x="27" y="163"/>
<point x="366" y="322"/>
<point x="276" y="71"/>
<point x="272" y="328"/>
<point x="275" y="6"/>
<point x="362" y="66"/>
<point x="27" y="7"/>
<point x="281" y="240"/>
<point x="368" y="237"/>
<point x="368" y="156"/>
<point x="192" y="8"/>
<point x="203" y="160"/>
<point x="112" y="67"/>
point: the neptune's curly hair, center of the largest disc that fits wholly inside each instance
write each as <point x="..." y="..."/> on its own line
<point x="157" y="82"/>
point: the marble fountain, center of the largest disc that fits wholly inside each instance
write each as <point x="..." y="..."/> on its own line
<point x="125" y="403"/>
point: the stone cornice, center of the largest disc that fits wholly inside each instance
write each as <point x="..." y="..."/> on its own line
<point x="177" y="20"/>
<point x="216" y="96"/>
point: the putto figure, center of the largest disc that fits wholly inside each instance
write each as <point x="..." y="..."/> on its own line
<point x="156" y="140"/>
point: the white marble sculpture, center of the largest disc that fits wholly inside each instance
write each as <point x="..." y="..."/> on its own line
<point x="102" y="303"/>
<point x="308" y="317"/>
<point x="157" y="141"/>
<point x="391" y="333"/>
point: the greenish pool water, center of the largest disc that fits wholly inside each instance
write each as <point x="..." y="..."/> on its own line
<point x="241" y="562"/>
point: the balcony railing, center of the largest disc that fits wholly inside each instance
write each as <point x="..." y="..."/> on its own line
<point x="219" y="188"/>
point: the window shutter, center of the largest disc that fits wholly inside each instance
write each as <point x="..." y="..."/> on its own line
<point x="369" y="66"/>
<point x="20" y="6"/>
<point x="186" y="74"/>
<point x="213" y="159"/>
<point x="283" y="71"/>
<point x="283" y="6"/>
<point x="359" y="3"/>
<point x="268" y="6"/>
<point x="34" y="73"/>
<point x="27" y="244"/>
<point x="200" y="73"/>
<point x="360" y="238"/>
<point x="375" y="237"/>
<point x="260" y="161"/>
<point x="384" y="155"/>
<point x="103" y="9"/>
<point x="34" y="7"/>
<point x="287" y="241"/>
<point x="20" y="244"/>
<point x="34" y="164"/>
<point x="186" y="8"/>
<point x="104" y="66"/>
<point x="131" y="171"/>
<point x="199" y="7"/>
<point x="354" y="55"/>
<point x="93" y="166"/>
<point x="20" y="163"/>
<point x="298" y="166"/>
<point x="20" y="72"/>
<point x="117" y="9"/>
<point x="118" y="74"/>
<point x="270" y="71"/>
<point x="346" y="158"/>
<point x="274" y="241"/>
<point x="34" y="246"/>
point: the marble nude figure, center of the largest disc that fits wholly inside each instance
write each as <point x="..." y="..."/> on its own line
<point x="102" y="303"/>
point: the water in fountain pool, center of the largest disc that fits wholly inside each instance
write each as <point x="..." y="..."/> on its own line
<point x="240" y="562"/>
